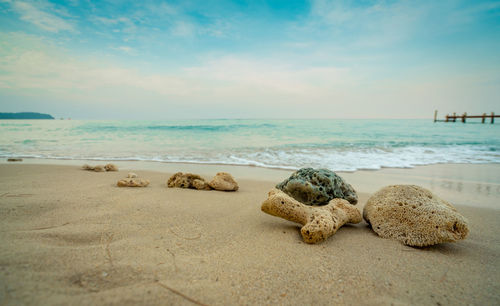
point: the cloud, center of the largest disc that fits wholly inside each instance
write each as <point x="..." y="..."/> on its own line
<point x="38" y="67"/>
<point x="232" y="85"/>
<point x="117" y="24"/>
<point x="183" y="29"/>
<point x="27" y="62"/>
<point x="44" y="20"/>
<point x="385" y="24"/>
<point x="49" y="69"/>
<point x="233" y="74"/>
<point x="376" y="24"/>
<point x="219" y="28"/>
<point x="126" y="49"/>
<point x="332" y="12"/>
<point x="111" y="21"/>
<point x="160" y="8"/>
<point x="105" y="20"/>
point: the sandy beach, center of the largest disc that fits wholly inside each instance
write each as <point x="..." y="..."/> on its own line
<point x="380" y="92"/>
<point x="71" y="237"/>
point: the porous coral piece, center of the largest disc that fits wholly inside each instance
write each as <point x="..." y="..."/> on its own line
<point x="186" y="180"/>
<point x="223" y="181"/>
<point x="132" y="182"/>
<point x="414" y="216"/>
<point x="319" y="222"/>
<point x="317" y="187"/>
<point x="201" y="185"/>
<point x="111" y="167"/>
<point x="131" y="175"/>
<point x="87" y="167"/>
<point x="98" y="168"/>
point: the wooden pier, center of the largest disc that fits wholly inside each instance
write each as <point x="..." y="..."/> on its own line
<point x="464" y="117"/>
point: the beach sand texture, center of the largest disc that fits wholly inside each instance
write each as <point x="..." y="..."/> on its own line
<point x="71" y="237"/>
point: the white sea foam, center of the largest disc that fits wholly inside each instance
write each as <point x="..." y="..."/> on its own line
<point x="335" y="145"/>
<point x="337" y="160"/>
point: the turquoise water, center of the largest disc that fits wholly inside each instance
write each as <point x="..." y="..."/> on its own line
<point x="345" y="145"/>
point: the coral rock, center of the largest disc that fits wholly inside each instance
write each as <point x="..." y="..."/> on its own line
<point x="111" y="167"/>
<point x="223" y="181"/>
<point x="319" y="222"/>
<point x="131" y="175"/>
<point x="132" y="182"/>
<point x="201" y="185"/>
<point x="87" y="167"/>
<point x="317" y="187"/>
<point x="187" y="180"/>
<point x="98" y="168"/>
<point x="414" y="216"/>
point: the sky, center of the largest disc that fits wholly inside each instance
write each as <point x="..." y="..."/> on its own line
<point x="188" y="59"/>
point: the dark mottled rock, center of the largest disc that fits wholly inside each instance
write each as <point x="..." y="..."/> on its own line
<point x="317" y="187"/>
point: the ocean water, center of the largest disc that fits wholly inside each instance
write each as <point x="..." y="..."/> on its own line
<point x="338" y="145"/>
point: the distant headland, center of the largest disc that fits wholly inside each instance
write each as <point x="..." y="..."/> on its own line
<point x="25" y="115"/>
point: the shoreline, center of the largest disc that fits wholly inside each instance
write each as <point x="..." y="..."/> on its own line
<point x="476" y="185"/>
<point x="68" y="160"/>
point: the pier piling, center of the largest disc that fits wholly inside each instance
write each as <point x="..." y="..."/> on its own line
<point x="464" y="117"/>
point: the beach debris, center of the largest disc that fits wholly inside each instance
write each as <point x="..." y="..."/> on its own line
<point x="414" y="216"/>
<point x="100" y="168"/>
<point x="201" y="185"/>
<point x="111" y="167"/>
<point x="132" y="182"/>
<point x="87" y="167"/>
<point x="223" y="181"/>
<point x="187" y="180"/>
<point x="14" y="159"/>
<point x="317" y="187"/>
<point x="319" y="222"/>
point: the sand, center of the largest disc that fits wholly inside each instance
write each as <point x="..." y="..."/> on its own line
<point x="69" y="236"/>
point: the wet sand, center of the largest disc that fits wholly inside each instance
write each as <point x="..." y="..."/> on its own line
<point x="69" y="236"/>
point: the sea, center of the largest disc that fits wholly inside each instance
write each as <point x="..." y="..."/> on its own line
<point x="338" y="145"/>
